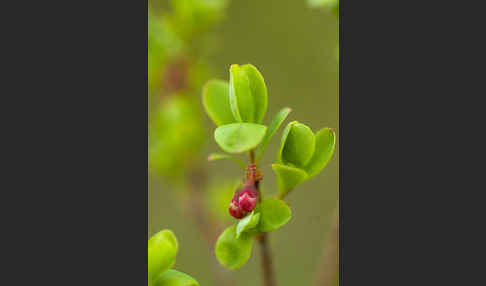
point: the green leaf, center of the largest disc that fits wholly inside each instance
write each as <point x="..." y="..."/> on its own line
<point x="288" y="178"/>
<point x="258" y="91"/>
<point x="241" y="99"/>
<point x="175" y="278"/>
<point x="298" y="146"/>
<point x="239" y="137"/>
<point x="233" y="252"/>
<point x="247" y="223"/>
<point x="218" y="156"/>
<point x="274" y="214"/>
<point x="285" y="134"/>
<point x="162" y="250"/>
<point x="272" y="128"/>
<point x="216" y="102"/>
<point x="325" y="143"/>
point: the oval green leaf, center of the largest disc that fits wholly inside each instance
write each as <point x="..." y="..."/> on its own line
<point x="175" y="278"/>
<point x="233" y="252"/>
<point x="247" y="223"/>
<point x="288" y="178"/>
<point x="325" y="143"/>
<point x="216" y="102"/>
<point x="298" y="146"/>
<point x="274" y="213"/>
<point x="258" y="91"/>
<point x="285" y="134"/>
<point x="272" y="128"/>
<point x="162" y="250"/>
<point x="241" y="100"/>
<point x="239" y="137"/>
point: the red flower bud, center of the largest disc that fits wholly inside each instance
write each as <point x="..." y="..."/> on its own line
<point x="247" y="198"/>
<point x="243" y="202"/>
<point x="235" y="211"/>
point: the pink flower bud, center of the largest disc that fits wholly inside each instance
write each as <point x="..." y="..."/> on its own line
<point x="244" y="201"/>
<point x="235" y="211"/>
<point x="247" y="198"/>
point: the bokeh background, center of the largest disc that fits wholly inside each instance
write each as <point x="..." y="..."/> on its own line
<point x="294" y="45"/>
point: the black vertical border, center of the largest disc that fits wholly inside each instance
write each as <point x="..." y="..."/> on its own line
<point x="80" y="144"/>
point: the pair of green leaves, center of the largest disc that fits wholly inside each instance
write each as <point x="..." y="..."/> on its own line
<point x="247" y="94"/>
<point x="233" y="248"/>
<point x="162" y="250"/>
<point x="238" y="108"/>
<point x="302" y="155"/>
<point x="244" y="99"/>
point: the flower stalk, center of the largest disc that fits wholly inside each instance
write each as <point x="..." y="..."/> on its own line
<point x="266" y="256"/>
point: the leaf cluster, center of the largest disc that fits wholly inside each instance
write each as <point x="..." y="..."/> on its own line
<point x="162" y="250"/>
<point x="238" y="108"/>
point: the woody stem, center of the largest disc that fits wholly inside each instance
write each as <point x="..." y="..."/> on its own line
<point x="267" y="262"/>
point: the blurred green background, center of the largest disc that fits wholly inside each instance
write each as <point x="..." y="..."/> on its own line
<point x="294" y="46"/>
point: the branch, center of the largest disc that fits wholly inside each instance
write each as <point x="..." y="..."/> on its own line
<point x="267" y="263"/>
<point x="329" y="267"/>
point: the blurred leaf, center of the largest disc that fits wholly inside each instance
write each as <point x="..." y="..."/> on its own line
<point x="163" y="43"/>
<point x="331" y="5"/>
<point x="162" y="250"/>
<point x="233" y="252"/>
<point x="325" y="142"/>
<point x="218" y="156"/>
<point x="241" y="99"/>
<point x="299" y="145"/>
<point x="247" y="223"/>
<point x="258" y="91"/>
<point x="169" y="152"/>
<point x="272" y="128"/>
<point x="175" y="278"/>
<point x="216" y="102"/>
<point x="274" y="213"/>
<point x="288" y="178"/>
<point x="220" y="193"/>
<point x="192" y="18"/>
<point x="239" y="137"/>
<point x="321" y="2"/>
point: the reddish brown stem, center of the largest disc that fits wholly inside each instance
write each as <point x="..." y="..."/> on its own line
<point x="267" y="263"/>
